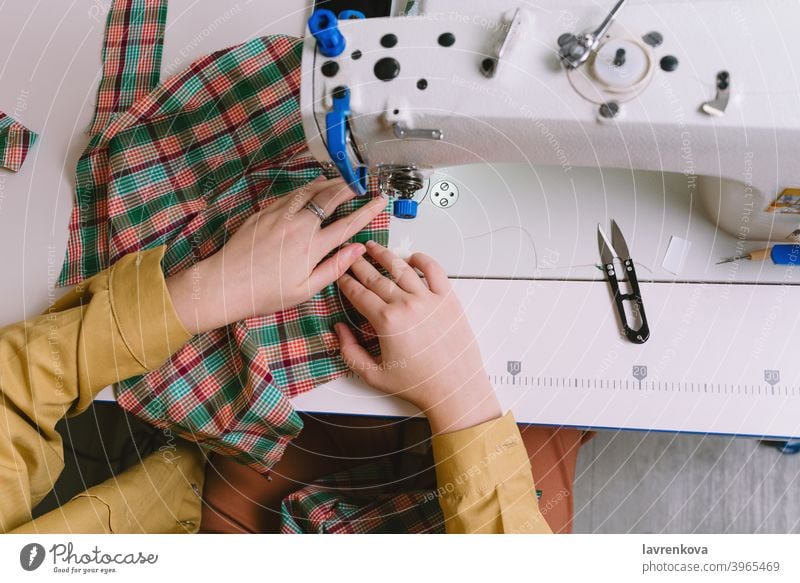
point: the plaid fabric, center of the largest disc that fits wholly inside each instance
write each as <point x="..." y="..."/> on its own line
<point x="363" y="500"/>
<point x="374" y="498"/>
<point x="185" y="166"/>
<point x="15" y="142"/>
<point x="134" y="39"/>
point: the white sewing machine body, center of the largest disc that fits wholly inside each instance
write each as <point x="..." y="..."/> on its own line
<point x="537" y="157"/>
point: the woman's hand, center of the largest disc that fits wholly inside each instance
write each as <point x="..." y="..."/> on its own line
<point x="275" y="259"/>
<point x="429" y="355"/>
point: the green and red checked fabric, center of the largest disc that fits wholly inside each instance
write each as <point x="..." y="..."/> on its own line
<point x="15" y="142"/>
<point x="132" y="49"/>
<point x="184" y="166"/>
<point x="363" y="500"/>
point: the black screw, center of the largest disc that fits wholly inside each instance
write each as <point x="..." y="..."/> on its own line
<point x="356" y="55"/>
<point x="340" y="92"/>
<point x="619" y="57"/>
<point x="669" y="63"/>
<point x="388" y="41"/>
<point x="609" y="110"/>
<point x="330" y="68"/>
<point x="653" y="38"/>
<point x="387" y="69"/>
<point x="422" y="84"/>
<point x="447" y="39"/>
<point x="488" y="65"/>
<point x="566" y="38"/>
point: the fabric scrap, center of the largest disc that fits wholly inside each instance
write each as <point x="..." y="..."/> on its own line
<point x="15" y="142"/>
<point x="363" y="500"/>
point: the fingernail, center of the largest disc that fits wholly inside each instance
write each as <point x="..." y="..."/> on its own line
<point x="370" y="243"/>
<point x="357" y="249"/>
<point x="319" y="178"/>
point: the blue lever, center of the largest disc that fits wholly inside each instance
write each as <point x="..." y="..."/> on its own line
<point x="324" y="27"/>
<point x="336" y="132"/>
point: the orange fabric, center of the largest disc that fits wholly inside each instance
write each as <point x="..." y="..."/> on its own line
<point x="553" y="452"/>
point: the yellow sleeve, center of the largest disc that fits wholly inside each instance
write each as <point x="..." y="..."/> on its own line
<point x="161" y="495"/>
<point x="484" y="481"/>
<point x="118" y="324"/>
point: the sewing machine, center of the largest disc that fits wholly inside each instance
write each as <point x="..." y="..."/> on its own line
<point x="506" y="132"/>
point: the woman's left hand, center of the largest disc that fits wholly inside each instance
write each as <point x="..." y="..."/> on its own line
<point x="275" y="260"/>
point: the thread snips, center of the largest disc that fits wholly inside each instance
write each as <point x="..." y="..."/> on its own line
<point x="617" y="248"/>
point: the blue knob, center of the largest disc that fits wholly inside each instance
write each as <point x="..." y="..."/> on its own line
<point x="323" y="25"/>
<point x="405" y="208"/>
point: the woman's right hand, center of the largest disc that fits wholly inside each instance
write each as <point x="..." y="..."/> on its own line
<point x="277" y="259"/>
<point x="429" y="355"/>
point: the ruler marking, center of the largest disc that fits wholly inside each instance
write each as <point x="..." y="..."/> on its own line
<point x="708" y="388"/>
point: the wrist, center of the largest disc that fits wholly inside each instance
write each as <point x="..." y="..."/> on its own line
<point x="193" y="295"/>
<point x="467" y="407"/>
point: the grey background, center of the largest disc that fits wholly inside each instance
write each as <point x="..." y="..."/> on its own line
<point x="666" y="483"/>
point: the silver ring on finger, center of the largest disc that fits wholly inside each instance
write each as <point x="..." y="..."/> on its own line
<point x="316" y="209"/>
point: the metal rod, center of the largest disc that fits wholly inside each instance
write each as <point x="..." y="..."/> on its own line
<point x="603" y="28"/>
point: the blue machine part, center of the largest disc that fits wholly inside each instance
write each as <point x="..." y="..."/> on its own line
<point x="405" y="208"/>
<point x="323" y="25"/>
<point x="336" y="131"/>
<point x="351" y="15"/>
<point x="790" y="447"/>
<point x="786" y="254"/>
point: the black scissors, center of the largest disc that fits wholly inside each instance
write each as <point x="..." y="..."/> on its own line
<point x="618" y="249"/>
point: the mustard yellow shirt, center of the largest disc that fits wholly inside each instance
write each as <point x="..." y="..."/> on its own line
<point x="121" y="323"/>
